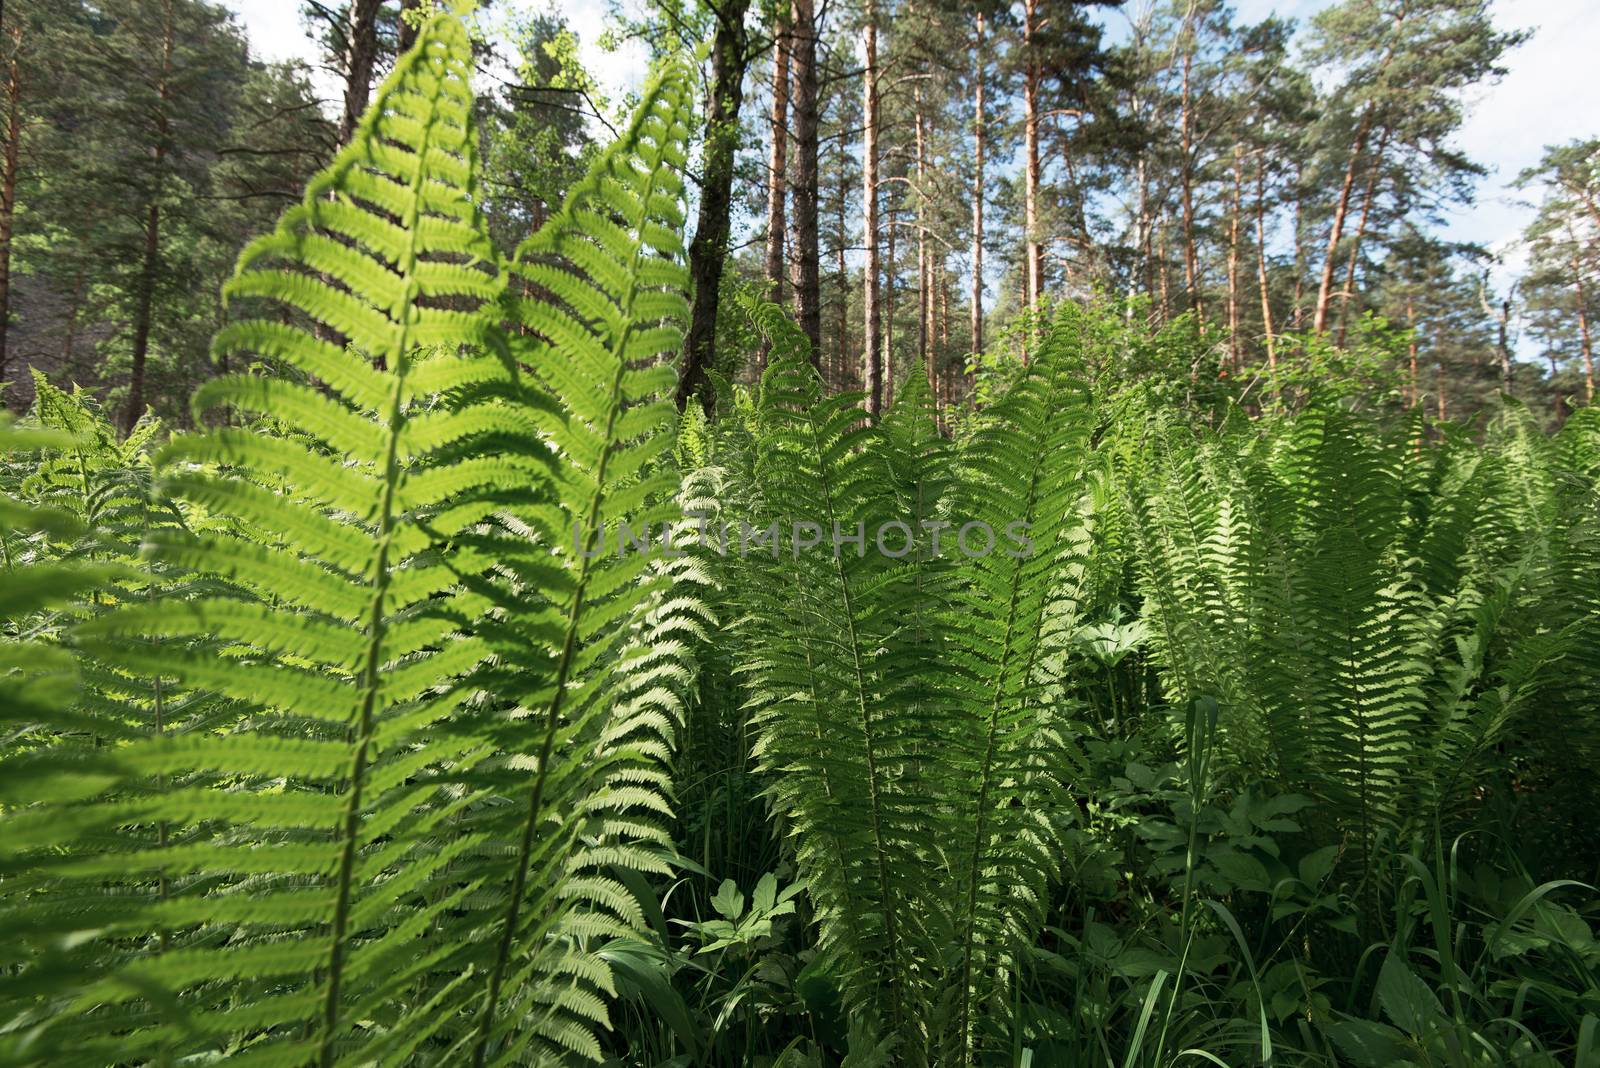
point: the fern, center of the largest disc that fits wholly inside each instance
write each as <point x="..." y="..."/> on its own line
<point x="1024" y="470"/>
<point x="35" y="673"/>
<point x="897" y="690"/>
<point x="339" y="877"/>
<point x="836" y="705"/>
<point x="612" y="284"/>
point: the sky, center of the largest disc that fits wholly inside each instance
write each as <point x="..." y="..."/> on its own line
<point x="1550" y="93"/>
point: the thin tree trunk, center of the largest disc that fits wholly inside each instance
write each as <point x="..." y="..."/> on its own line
<point x="1357" y="150"/>
<point x="408" y="31"/>
<point x="1032" y="75"/>
<point x="1411" y="323"/>
<point x="1298" y="311"/>
<point x="1341" y="210"/>
<point x="1233" y="260"/>
<point x="708" y="252"/>
<point x="1348" y="292"/>
<point x="1191" y="256"/>
<point x="872" y="356"/>
<point x="1503" y="342"/>
<point x="361" y="55"/>
<point x="144" y="307"/>
<point x="777" y="164"/>
<point x="977" y="191"/>
<point x="807" y="283"/>
<point x="1145" y="230"/>
<point x="69" y="343"/>
<point x="842" y="236"/>
<point x="1161" y="267"/>
<point x="890" y="265"/>
<point x="1583" y="330"/>
<point x="1439" y="369"/>
<point x="924" y="280"/>
<point x="8" y="183"/>
<point x="1261" y="269"/>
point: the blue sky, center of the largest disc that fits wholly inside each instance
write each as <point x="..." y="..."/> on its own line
<point x="1550" y="94"/>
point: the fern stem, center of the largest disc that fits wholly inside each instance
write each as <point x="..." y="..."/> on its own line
<point x="890" y="931"/>
<point x="404" y="312"/>
<point x="569" y="643"/>
<point x="981" y="830"/>
<point x="369" y="698"/>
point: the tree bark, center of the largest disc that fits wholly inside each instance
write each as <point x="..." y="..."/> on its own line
<point x="1233" y="260"/>
<point x="360" y="56"/>
<point x="871" y="338"/>
<point x="842" y="236"/>
<point x="1191" y="256"/>
<point x="1319" y="321"/>
<point x="1348" y="292"/>
<point x="777" y="165"/>
<point x="1583" y="331"/>
<point x="709" y="250"/>
<point x="803" y="61"/>
<point x="891" y="261"/>
<point x="144" y="307"/>
<point x="977" y="191"/>
<point x="1411" y="348"/>
<point x="1031" y="77"/>
<point x="408" y="32"/>
<point x="1261" y="270"/>
<point x="924" y="280"/>
<point x="8" y="183"/>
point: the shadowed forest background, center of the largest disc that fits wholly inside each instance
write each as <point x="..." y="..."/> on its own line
<point x="1275" y="188"/>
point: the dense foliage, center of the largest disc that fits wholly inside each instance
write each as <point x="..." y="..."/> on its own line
<point x="358" y="726"/>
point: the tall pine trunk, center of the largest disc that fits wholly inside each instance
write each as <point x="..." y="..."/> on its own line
<point x="842" y="326"/>
<point x="1261" y="270"/>
<point x="890" y="265"/>
<point x="1583" y="330"/>
<point x="144" y="306"/>
<point x="807" y="295"/>
<point x="777" y="166"/>
<point x="1358" y="149"/>
<point x="1191" y="255"/>
<point x="977" y="191"/>
<point x="709" y="250"/>
<point x="360" y="57"/>
<point x="1031" y="77"/>
<point x="1348" y="292"/>
<point x="1319" y="321"/>
<point x="1233" y="260"/>
<point x="8" y="183"/>
<point x="871" y="336"/>
<point x="1411" y="348"/>
<point x="924" y="280"/>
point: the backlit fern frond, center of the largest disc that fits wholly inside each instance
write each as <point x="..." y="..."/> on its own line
<point x="37" y="677"/>
<point x="846" y="722"/>
<point x="292" y="910"/>
<point x="1020" y="507"/>
<point x="600" y="661"/>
